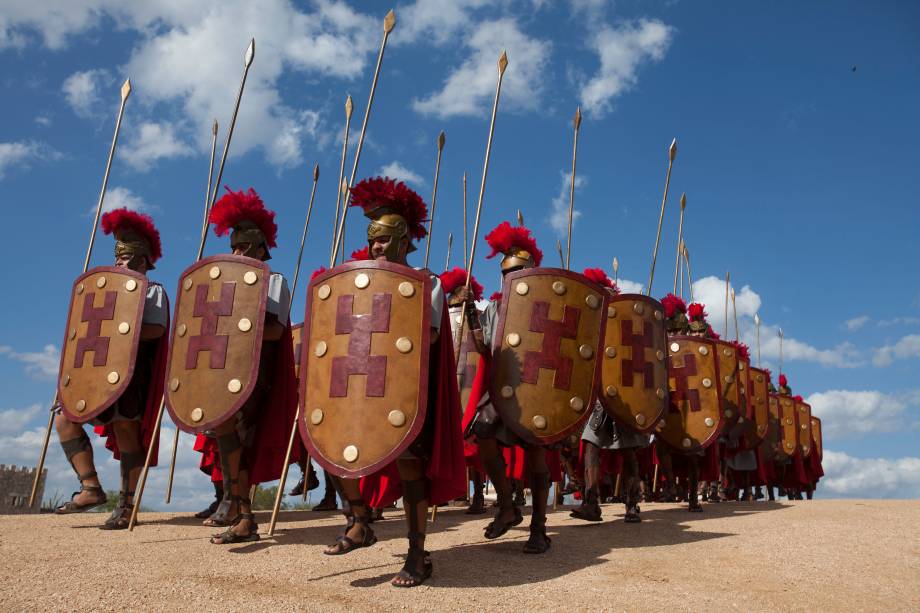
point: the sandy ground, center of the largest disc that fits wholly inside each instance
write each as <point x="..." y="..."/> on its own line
<point x="818" y="555"/>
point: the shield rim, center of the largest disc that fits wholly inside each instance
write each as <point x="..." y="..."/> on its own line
<point x="798" y="426"/>
<point x="259" y="326"/>
<point x="497" y="337"/>
<point x="602" y="397"/>
<point x="782" y="429"/>
<point x="819" y="446"/>
<point x="720" y="427"/>
<point x="422" y="413"/>
<point x="143" y="283"/>
<point x="751" y="371"/>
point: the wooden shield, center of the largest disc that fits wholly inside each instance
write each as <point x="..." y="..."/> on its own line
<point x="694" y="417"/>
<point x="769" y="448"/>
<point x="634" y="369"/>
<point x="803" y="411"/>
<point x="789" y="437"/>
<point x="758" y="392"/>
<point x="745" y="427"/>
<point x="546" y="352"/>
<point x="100" y="340"/>
<point x="469" y="357"/>
<point x="816" y="437"/>
<point x="364" y="365"/>
<point x="216" y="340"/>
<point x="297" y="336"/>
<point x="730" y="369"/>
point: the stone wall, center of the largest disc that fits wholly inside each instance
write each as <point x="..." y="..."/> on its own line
<point x="15" y="487"/>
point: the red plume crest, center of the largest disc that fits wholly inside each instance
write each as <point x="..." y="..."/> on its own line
<point x="505" y="237"/>
<point x="126" y="219"/>
<point x="234" y="207"/>
<point x="673" y="305"/>
<point x="371" y="194"/>
<point x="360" y="254"/>
<point x="600" y="277"/>
<point x="453" y="279"/>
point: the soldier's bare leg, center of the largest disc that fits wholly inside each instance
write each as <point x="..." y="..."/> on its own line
<point x="243" y="528"/>
<point x="666" y="466"/>
<point x="418" y="565"/>
<point x="357" y="517"/>
<point x="79" y="452"/>
<point x="693" y="476"/>
<point x="633" y="486"/>
<point x="590" y="509"/>
<point x="538" y="542"/>
<point x="508" y="514"/>
<point x="128" y="435"/>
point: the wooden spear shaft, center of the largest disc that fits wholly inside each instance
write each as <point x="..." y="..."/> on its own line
<point x="450" y="245"/>
<point x="465" y="242"/>
<point x="349" y="107"/>
<point x="672" y="153"/>
<point x="680" y="238"/>
<point x="434" y="196"/>
<point x="727" y="288"/>
<point x="568" y="247"/>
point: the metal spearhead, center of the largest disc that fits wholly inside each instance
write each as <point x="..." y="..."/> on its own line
<point x="502" y="63"/>
<point x="683" y="201"/>
<point x="389" y="22"/>
<point x="672" y="150"/>
<point x="616" y="265"/>
<point x="520" y="217"/>
<point x="125" y="90"/>
<point x="781" y="333"/>
<point x="316" y="173"/>
<point x="441" y="140"/>
<point x="214" y="128"/>
<point x="349" y="107"/>
<point x="756" y="319"/>
<point x="577" y="119"/>
<point x="250" y="53"/>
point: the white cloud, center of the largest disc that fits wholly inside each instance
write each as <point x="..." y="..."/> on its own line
<point x="40" y="364"/>
<point x="846" y="476"/>
<point x="437" y="21"/>
<point x="899" y="321"/>
<point x="856" y="413"/>
<point x="43" y="120"/>
<point x="470" y="88"/>
<point x="14" y="420"/>
<point x="81" y="90"/>
<point x="622" y="50"/>
<point x="153" y="142"/>
<point x="629" y="287"/>
<point x="906" y="348"/>
<point x="22" y="153"/>
<point x="559" y="215"/>
<point x="395" y="170"/>
<point x="856" y="323"/>
<point x="122" y="197"/>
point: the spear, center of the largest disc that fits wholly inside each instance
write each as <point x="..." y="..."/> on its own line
<point x="204" y="228"/>
<point x="389" y="22"/>
<point x="502" y="65"/>
<point x="349" y="107"/>
<point x="735" y="312"/>
<point x="247" y="62"/>
<point x="450" y="244"/>
<point x="520" y="217"/>
<point x="616" y="270"/>
<point x="757" y="324"/>
<point x="465" y="244"/>
<point x="780" y="351"/>
<point x="727" y="289"/>
<point x="125" y="92"/>
<point x="290" y="447"/>
<point x="559" y="251"/>
<point x="672" y="153"/>
<point x="680" y="265"/>
<point x="680" y="237"/>
<point x="434" y="195"/>
<point x="689" y="274"/>
<point x="568" y="247"/>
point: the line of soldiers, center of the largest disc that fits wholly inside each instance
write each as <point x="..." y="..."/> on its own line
<point x="559" y="373"/>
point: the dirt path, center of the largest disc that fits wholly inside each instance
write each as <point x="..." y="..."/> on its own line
<point x="819" y="555"/>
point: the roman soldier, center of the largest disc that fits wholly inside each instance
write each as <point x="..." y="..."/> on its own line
<point x="740" y="455"/>
<point x="451" y="281"/>
<point x="430" y="470"/>
<point x="605" y="436"/>
<point x="128" y="423"/>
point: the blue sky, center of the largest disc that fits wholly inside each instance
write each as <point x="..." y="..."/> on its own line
<point x="800" y="172"/>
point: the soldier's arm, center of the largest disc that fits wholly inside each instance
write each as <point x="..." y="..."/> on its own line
<point x="276" y="308"/>
<point x="153" y="324"/>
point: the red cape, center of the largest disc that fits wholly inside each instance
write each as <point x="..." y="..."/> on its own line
<point x="152" y="406"/>
<point x="796" y="476"/>
<point x="446" y="470"/>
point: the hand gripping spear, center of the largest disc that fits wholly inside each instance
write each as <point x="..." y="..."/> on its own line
<point x="204" y="228"/>
<point x="125" y="92"/>
<point x="389" y="22"/>
<point x="672" y="153"/>
<point x="247" y="62"/>
<point x="290" y="447"/>
<point x="568" y="247"/>
<point x="434" y="195"/>
<point x="680" y="238"/>
<point x="349" y="107"/>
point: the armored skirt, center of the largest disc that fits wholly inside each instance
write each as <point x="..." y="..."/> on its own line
<point x="603" y="431"/>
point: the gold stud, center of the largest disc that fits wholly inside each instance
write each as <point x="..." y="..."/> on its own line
<point x="522" y="288"/>
<point x="660" y="393"/>
<point x="611" y="312"/>
<point x="740" y="419"/>
<point x="130" y="285"/>
<point x="806" y="448"/>
<point x="729" y="379"/>
<point x="112" y="377"/>
<point x="660" y="355"/>
<point x="659" y="315"/>
<point x="361" y="282"/>
<point x="514" y="339"/>
<point x="789" y="445"/>
<point x="586" y="351"/>
<point x="187" y="284"/>
<point x="173" y="385"/>
<point x="611" y="391"/>
<point x="320" y="349"/>
<point x="728" y="413"/>
<point x="182" y="329"/>
<point x="727" y="353"/>
<point x="707" y="382"/>
<point x="507" y="391"/>
<point x="81" y="406"/>
<point x="316" y="416"/>
<point x="396" y="418"/>
<point x="610" y="352"/>
<point x="80" y="289"/>
<point x="250" y="278"/>
<point x="197" y="414"/>
<point x="539" y="422"/>
<point x="802" y="409"/>
<point x="592" y="301"/>
<point x="709" y="421"/>
<point x="244" y="325"/>
<point x="640" y="419"/>
<point x="804" y="427"/>
<point x="740" y="365"/>
<point x="214" y="272"/>
<point x="788" y="421"/>
<point x="704" y="350"/>
<point x="662" y="423"/>
<point x="350" y="453"/>
<point x="577" y="404"/>
<point x="65" y="381"/>
<point x="100" y="282"/>
<point x="403" y="344"/>
<point x="323" y="292"/>
<point x="124" y="327"/>
<point x="788" y="403"/>
<point x="759" y="378"/>
<point x="675" y="347"/>
<point x="686" y="442"/>
<point x="406" y="289"/>
<point x="73" y="333"/>
<point x="234" y="385"/>
<point x="559" y="287"/>
<point x="639" y="308"/>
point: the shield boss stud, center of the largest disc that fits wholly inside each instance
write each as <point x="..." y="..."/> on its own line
<point x="214" y="272"/>
<point x="586" y="352"/>
<point x="728" y="413"/>
<point x="658" y="315"/>
<point x="539" y="422"/>
<point x="704" y="350"/>
<point x="396" y="418"/>
<point x="130" y="285"/>
<point x="759" y="378"/>
<point x="638" y="308"/>
<point x="320" y="349"/>
<point x="406" y="289"/>
<point x="66" y="380"/>
<point x="182" y="329"/>
<point x="361" y="282"/>
<point x="350" y="453"/>
<point x="709" y="422"/>
<point x="250" y="278"/>
<point x="323" y="292"/>
<point x="659" y="355"/>
<point x="611" y="391"/>
<point x="522" y="288"/>
<point x="507" y="391"/>
<point x="640" y="419"/>
<point x="662" y="423"/>
<point x="788" y="421"/>
<point x="592" y="301"/>
<point x="514" y="339"/>
<point x="187" y="284"/>
<point x="559" y="287"/>
<point x="100" y="282"/>
<point x="788" y="445"/>
<point x="80" y="289"/>
<point x="197" y="414"/>
<point x="611" y="352"/>
<point x="403" y="344"/>
<point x="611" y="312"/>
<point x="660" y="393"/>
<point x="234" y="385"/>
<point x="577" y="404"/>
<point x="727" y="353"/>
<point x="73" y="333"/>
<point x="124" y="327"/>
<point x="81" y="406"/>
<point x="675" y="347"/>
<point x="112" y="377"/>
<point x="707" y="382"/>
<point x="316" y="417"/>
<point x="244" y="325"/>
<point x="174" y="385"/>
<point x="686" y="442"/>
<point x="729" y="379"/>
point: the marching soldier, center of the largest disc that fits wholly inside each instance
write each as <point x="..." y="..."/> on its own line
<point x="128" y="420"/>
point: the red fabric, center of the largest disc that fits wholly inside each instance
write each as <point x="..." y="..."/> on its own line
<point x="236" y="207"/>
<point x="796" y="476"/>
<point x="478" y="388"/>
<point x="505" y="237"/>
<point x="121" y="219"/>
<point x="210" y="458"/>
<point x="709" y="464"/>
<point x="446" y="470"/>
<point x="391" y="195"/>
<point x="516" y="464"/>
<point x="814" y="468"/>
<point x="152" y="406"/>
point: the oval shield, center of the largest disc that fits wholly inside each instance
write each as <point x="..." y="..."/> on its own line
<point x="816" y="438"/>
<point x="789" y="438"/>
<point x="216" y="342"/>
<point x="100" y="340"/>
<point x="803" y="411"/>
<point x="694" y="417"/>
<point x="364" y="365"/>
<point x="772" y="439"/>
<point x="468" y="359"/>
<point x="758" y="392"/>
<point x="634" y="369"/>
<point x="546" y="352"/>
<point x="730" y="370"/>
<point x="297" y="336"/>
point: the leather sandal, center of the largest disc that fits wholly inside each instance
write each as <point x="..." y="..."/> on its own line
<point x="538" y="542"/>
<point x="477" y="506"/>
<point x="121" y="514"/>
<point x="632" y="515"/>
<point x="498" y="527"/>
<point x="409" y="575"/>
<point x="345" y="544"/>
<point x="71" y="506"/>
<point x="229" y="537"/>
